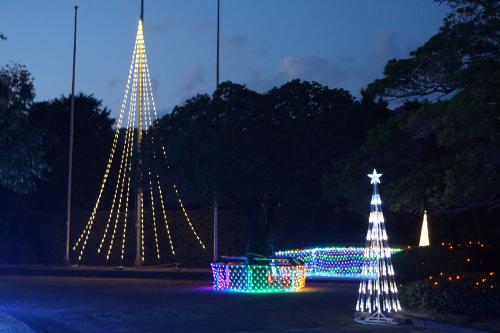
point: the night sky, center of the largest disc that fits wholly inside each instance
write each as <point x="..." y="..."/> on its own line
<point x="340" y="43"/>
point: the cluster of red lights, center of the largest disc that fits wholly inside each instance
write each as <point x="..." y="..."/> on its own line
<point x="483" y="281"/>
<point x="468" y="244"/>
<point x="478" y="280"/>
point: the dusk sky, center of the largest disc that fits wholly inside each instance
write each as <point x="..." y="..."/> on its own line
<point x="340" y="43"/>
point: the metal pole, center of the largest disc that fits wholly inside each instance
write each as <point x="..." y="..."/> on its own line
<point x="142" y="11"/>
<point x="70" y="157"/>
<point x="216" y="203"/>
<point x="218" y="43"/>
<point x="139" y="217"/>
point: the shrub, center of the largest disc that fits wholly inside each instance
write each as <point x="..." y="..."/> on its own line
<point x="468" y="296"/>
<point x="421" y="262"/>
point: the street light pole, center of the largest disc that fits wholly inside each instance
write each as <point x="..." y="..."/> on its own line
<point x="70" y="155"/>
<point x="218" y="43"/>
<point x="216" y="202"/>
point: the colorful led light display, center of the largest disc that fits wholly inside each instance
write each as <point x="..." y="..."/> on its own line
<point x="333" y="262"/>
<point x="258" y="275"/>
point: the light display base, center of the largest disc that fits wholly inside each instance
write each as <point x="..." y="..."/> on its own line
<point x="376" y="318"/>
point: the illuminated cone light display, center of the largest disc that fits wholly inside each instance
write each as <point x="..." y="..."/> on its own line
<point x="378" y="297"/>
<point x="424" y="233"/>
<point x="135" y="176"/>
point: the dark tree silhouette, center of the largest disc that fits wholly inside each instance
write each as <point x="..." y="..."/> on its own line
<point x="21" y="157"/>
<point x="439" y="155"/>
<point x="464" y="53"/>
<point x="266" y="151"/>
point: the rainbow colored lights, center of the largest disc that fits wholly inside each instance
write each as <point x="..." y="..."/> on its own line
<point x="258" y="275"/>
<point x="333" y="262"/>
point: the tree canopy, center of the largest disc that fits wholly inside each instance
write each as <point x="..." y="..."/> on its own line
<point x="463" y="54"/>
<point x="259" y="152"/>
<point x="441" y="155"/>
<point x="92" y="140"/>
<point x="22" y="162"/>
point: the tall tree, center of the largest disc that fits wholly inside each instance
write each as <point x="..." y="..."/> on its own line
<point x="441" y="155"/>
<point x="464" y="53"/>
<point x="93" y="136"/>
<point x="32" y="214"/>
<point x="21" y="158"/>
<point x="264" y="152"/>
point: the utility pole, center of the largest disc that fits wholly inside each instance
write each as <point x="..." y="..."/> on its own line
<point x="70" y="155"/>
<point x="216" y="202"/>
<point x="218" y="43"/>
<point x="139" y="214"/>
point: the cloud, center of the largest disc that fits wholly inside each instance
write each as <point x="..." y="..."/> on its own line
<point x="313" y="68"/>
<point x="155" y="84"/>
<point x="160" y="27"/>
<point x="204" y="26"/>
<point x="112" y="83"/>
<point x="239" y="44"/>
<point x="192" y="79"/>
<point x="386" y="46"/>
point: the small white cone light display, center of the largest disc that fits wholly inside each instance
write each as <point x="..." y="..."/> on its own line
<point x="378" y="296"/>
<point x="424" y="233"/>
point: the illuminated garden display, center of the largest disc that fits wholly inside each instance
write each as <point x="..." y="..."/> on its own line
<point x="377" y="297"/>
<point x="258" y="275"/>
<point x="136" y="175"/>
<point x="333" y="262"/>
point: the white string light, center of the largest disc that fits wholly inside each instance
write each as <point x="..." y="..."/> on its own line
<point x="179" y="199"/>
<point x="138" y="96"/>
<point x="378" y="296"/>
<point x="121" y="178"/>
<point x="88" y="227"/>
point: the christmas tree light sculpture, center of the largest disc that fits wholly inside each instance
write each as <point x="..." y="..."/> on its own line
<point x="137" y="172"/>
<point x="379" y="296"/>
<point x="424" y="233"/>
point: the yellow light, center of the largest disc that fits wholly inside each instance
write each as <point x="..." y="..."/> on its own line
<point x="138" y="100"/>
<point x="187" y="217"/>
<point x="424" y="233"/>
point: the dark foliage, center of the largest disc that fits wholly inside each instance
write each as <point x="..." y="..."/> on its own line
<point x="264" y="152"/>
<point x="464" y="54"/>
<point x="443" y="156"/>
<point x="460" y="298"/>
<point x="21" y="158"/>
<point x="440" y="262"/>
<point x="27" y="217"/>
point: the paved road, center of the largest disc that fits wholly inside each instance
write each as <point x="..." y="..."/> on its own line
<point x="69" y="304"/>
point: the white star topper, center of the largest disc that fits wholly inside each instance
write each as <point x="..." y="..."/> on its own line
<point x="375" y="177"/>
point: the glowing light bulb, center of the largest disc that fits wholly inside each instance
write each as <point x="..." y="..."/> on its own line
<point x="424" y="233"/>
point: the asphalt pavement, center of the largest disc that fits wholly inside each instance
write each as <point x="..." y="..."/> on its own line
<point x="86" y="304"/>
